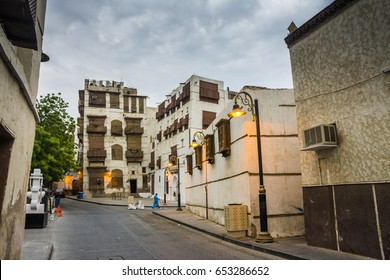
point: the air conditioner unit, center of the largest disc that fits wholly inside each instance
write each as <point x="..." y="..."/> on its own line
<point x="320" y="137"/>
<point x="94" y="97"/>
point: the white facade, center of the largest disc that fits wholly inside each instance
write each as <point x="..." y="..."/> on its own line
<point x="234" y="179"/>
<point x="195" y="107"/>
<point x="113" y="131"/>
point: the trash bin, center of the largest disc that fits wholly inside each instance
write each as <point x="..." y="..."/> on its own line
<point x="80" y="195"/>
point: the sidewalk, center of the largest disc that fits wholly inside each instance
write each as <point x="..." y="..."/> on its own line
<point x="288" y="248"/>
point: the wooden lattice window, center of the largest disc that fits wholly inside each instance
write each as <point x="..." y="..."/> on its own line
<point x="116" y="127"/>
<point x="117" y="178"/>
<point x="223" y="127"/>
<point x="198" y="157"/>
<point x="189" y="164"/>
<point x="210" y="149"/>
<point x="208" y="92"/>
<point x="207" y="118"/>
<point x="117" y="152"/>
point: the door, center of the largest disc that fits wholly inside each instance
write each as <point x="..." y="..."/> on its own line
<point x="133" y="186"/>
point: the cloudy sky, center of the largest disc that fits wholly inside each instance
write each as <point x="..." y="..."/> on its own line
<point x="154" y="45"/>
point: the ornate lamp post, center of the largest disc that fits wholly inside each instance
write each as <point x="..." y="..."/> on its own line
<point x="197" y="141"/>
<point x="173" y="160"/>
<point x="246" y="100"/>
<point x="166" y="174"/>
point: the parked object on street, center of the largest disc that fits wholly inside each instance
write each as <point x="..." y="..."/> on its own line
<point x="131" y="207"/>
<point x="138" y="205"/>
<point x="36" y="214"/>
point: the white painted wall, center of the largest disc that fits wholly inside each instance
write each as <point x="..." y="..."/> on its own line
<point x="234" y="179"/>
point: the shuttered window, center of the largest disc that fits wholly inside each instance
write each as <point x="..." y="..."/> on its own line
<point x="208" y="92"/>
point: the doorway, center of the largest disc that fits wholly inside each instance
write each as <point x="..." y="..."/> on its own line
<point x="133" y="186"/>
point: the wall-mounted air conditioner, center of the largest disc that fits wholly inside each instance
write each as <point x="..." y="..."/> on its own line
<point x="320" y="137"/>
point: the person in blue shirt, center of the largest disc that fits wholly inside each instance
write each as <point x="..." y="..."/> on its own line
<point x="155" y="201"/>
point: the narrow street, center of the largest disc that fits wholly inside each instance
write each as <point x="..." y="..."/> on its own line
<point x="92" y="232"/>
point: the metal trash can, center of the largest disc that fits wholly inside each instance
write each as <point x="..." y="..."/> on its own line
<point x="80" y="195"/>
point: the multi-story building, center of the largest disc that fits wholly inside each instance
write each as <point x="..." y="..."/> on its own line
<point x="192" y="106"/>
<point x="226" y="171"/>
<point x="21" y="33"/>
<point x="115" y="126"/>
<point x="340" y="62"/>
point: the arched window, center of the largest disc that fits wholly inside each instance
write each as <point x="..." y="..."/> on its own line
<point x="117" y="152"/>
<point x="116" y="128"/>
<point x="117" y="178"/>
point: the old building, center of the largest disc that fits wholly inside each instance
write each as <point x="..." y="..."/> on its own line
<point x="225" y="169"/>
<point x="192" y="106"/>
<point x="340" y="63"/>
<point x="21" y="33"/>
<point x="115" y="126"/>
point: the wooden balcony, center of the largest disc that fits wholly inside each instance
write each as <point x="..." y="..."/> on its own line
<point x="96" y="129"/>
<point x="134" y="155"/>
<point x="134" y="130"/>
<point x="97" y="155"/>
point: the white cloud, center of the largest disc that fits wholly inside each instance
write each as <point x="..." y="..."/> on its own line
<point x="154" y="45"/>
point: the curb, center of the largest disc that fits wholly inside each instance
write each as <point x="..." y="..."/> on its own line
<point x="236" y="241"/>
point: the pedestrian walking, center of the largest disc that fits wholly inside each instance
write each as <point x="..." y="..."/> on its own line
<point x="155" y="201"/>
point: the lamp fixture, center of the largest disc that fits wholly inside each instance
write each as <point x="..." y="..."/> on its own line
<point x="197" y="140"/>
<point x="237" y="112"/>
<point x="194" y="144"/>
<point x="246" y="100"/>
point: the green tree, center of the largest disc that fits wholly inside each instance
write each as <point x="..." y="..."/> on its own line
<point x="54" y="147"/>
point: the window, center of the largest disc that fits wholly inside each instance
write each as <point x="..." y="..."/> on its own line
<point x="97" y="99"/>
<point x="116" y="128"/>
<point x="141" y="105"/>
<point x="208" y="92"/>
<point x="114" y="100"/>
<point x="6" y="142"/>
<point x="117" y="152"/>
<point x="223" y="127"/>
<point x="210" y="150"/>
<point x="133" y="104"/>
<point x="198" y="157"/>
<point x="189" y="164"/>
<point x="117" y="178"/>
<point x="126" y="104"/>
<point x="186" y="94"/>
<point x="207" y="118"/>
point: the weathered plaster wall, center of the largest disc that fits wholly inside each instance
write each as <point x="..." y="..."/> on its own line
<point x="18" y="115"/>
<point x="339" y="77"/>
<point x="340" y="81"/>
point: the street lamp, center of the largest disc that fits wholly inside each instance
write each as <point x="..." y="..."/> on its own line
<point x="166" y="174"/>
<point x="246" y="100"/>
<point x="197" y="141"/>
<point x="174" y="160"/>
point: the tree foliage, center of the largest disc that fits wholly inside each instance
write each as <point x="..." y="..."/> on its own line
<point x="54" y="147"/>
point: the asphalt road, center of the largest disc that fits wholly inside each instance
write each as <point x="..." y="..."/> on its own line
<point x="92" y="232"/>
